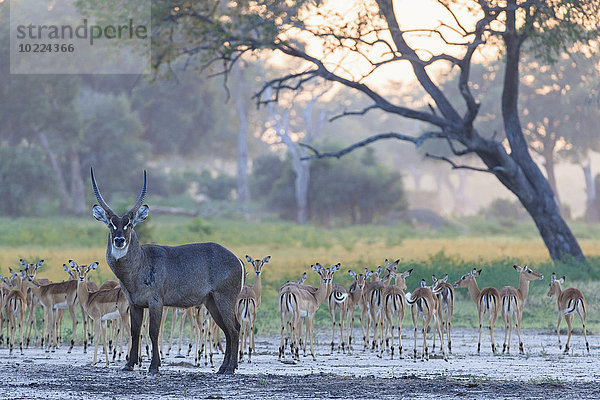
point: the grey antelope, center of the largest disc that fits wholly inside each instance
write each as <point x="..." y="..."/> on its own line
<point x="100" y="306"/>
<point x="570" y="302"/>
<point x="486" y="300"/>
<point x="513" y="303"/>
<point x="424" y="303"/>
<point x="355" y="294"/>
<point x="302" y="301"/>
<point x="154" y="276"/>
<point x="445" y="295"/>
<point x="394" y="306"/>
<point x="247" y="304"/>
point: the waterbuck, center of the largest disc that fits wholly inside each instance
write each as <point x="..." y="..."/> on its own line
<point x="184" y="276"/>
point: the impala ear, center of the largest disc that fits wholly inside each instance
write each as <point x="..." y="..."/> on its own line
<point x="39" y="264"/>
<point x="140" y="215"/>
<point x="562" y="280"/>
<point x="249" y="259"/>
<point x="434" y="279"/>
<point x="368" y="273"/>
<point x="407" y="273"/>
<point x="353" y="274"/>
<point x="266" y="259"/>
<point x="93" y="266"/>
<point x="73" y="264"/>
<point x="517" y="268"/>
<point x="67" y="269"/>
<point x="445" y="278"/>
<point x="23" y="262"/>
<point x="100" y="215"/>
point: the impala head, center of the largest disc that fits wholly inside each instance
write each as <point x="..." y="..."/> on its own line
<point x="361" y="279"/>
<point x="368" y="274"/>
<point x="120" y="228"/>
<point x="528" y="274"/>
<point x="401" y="279"/>
<point x="555" y="285"/>
<point x="258" y="264"/>
<point x="326" y="273"/>
<point x="436" y="282"/>
<point x="81" y="271"/>
<point x="466" y="278"/>
<point x="31" y="269"/>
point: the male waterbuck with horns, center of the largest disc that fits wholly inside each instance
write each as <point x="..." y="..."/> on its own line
<point x="182" y="276"/>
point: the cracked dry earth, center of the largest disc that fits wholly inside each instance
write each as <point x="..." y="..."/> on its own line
<point x="542" y="373"/>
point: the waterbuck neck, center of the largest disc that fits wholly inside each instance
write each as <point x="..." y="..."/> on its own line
<point x="474" y="290"/>
<point x="126" y="268"/>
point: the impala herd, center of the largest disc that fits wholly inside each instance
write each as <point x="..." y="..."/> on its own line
<point x="379" y="295"/>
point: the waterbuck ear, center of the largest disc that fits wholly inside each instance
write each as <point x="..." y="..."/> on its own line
<point x="265" y="260"/>
<point x="100" y="215"/>
<point x="140" y="215"/>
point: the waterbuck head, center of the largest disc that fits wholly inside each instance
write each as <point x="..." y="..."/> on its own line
<point x="120" y="228"/>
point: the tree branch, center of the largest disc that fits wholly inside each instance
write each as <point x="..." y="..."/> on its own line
<point x="458" y="166"/>
<point x="417" y="141"/>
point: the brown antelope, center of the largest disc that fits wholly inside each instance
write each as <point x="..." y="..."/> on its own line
<point x="374" y="298"/>
<point x="337" y="300"/>
<point x="365" y="314"/>
<point x="513" y="302"/>
<point x="302" y="301"/>
<point x="100" y="306"/>
<point x="424" y="304"/>
<point x="569" y="301"/>
<point x="155" y="276"/>
<point x="394" y="306"/>
<point x="32" y="303"/>
<point x="486" y="300"/>
<point x="16" y="306"/>
<point x="355" y="294"/>
<point x="248" y="303"/>
<point x="445" y="295"/>
<point x="4" y="289"/>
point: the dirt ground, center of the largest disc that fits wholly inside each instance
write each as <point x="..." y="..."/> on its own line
<point x="543" y="372"/>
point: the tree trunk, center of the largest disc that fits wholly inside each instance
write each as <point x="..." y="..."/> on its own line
<point x="525" y="179"/>
<point x="77" y="184"/>
<point x="591" y="211"/>
<point x="242" y="139"/>
<point x="302" y="171"/>
<point x="63" y="194"/>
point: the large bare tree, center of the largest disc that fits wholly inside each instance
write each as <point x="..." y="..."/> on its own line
<point x="327" y="36"/>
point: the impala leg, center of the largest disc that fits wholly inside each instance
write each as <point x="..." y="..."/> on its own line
<point x="74" y="319"/>
<point x="414" y="318"/>
<point x="251" y="327"/>
<point x="479" y="341"/>
<point x="521" y="349"/>
<point x="342" y="341"/>
<point x="492" y="321"/>
<point x="173" y="323"/>
<point x="569" y="319"/>
<point x="506" y="328"/>
<point x="582" y="317"/>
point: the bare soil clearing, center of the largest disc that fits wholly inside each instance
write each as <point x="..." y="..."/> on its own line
<point x="543" y="372"/>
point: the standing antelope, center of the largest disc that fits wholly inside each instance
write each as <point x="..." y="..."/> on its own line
<point x="445" y="295"/>
<point x="374" y="299"/>
<point x="3" y="293"/>
<point x="16" y="306"/>
<point x="248" y="303"/>
<point x="486" y="300"/>
<point x="424" y="303"/>
<point x="338" y="300"/>
<point x="569" y="301"/>
<point x="513" y="302"/>
<point x="394" y="305"/>
<point x="32" y="303"/>
<point x="101" y="306"/>
<point x="154" y="276"/>
<point x="302" y="301"/>
<point x="355" y="294"/>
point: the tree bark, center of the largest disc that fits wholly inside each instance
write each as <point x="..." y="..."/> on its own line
<point x="77" y="184"/>
<point x="63" y="194"/>
<point x="591" y="211"/>
<point x="240" y="95"/>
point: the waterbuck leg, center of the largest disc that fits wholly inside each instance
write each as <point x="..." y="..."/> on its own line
<point x="136" y="315"/>
<point x="155" y="311"/>
<point x="222" y="310"/>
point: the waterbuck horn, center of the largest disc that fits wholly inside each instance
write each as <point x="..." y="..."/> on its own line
<point x="99" y="196"/>
<point x="140" y="200"/>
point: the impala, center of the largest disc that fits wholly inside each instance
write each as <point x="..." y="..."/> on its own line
<point x="424" y="304"/>
<point x="101" y="306"/>
<point x="302" y="301"/>
<point x="16" y="306"/>
<point x="154" y="276"/>
<point x="486" y="300"/>
<point x="374" y="299"/>
<point x="32" y="302"/>
<point x="513" y="302"/>
<point x="355" y="294"/>
<point x="569" y="301"/>
<point x="394" y="305"/>
<point x="248" y="302"/>
<point x="445" y="295"/>
<point x="337" y="300"/>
